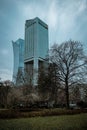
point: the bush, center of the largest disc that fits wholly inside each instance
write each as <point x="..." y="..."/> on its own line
<point x="52" y="112"/>
<point x="9" y="113"/>
<point x="40" y="112"/>
<point x="82" y="104"/>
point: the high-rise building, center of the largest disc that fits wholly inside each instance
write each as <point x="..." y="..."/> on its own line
<point x="36" y="46"/>
<point x="18" y="54"/>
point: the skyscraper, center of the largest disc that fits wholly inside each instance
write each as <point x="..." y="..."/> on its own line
<point x="36" y="46"/>
<point x="18" y="53"/>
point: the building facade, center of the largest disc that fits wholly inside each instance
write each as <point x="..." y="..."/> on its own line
<point x="18" y="54"/>
<point x="36" y="47"/>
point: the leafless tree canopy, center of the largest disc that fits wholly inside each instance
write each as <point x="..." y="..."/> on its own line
<point x="69" y="58"/>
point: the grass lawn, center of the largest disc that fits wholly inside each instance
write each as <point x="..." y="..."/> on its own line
<point x="66" y="122"/>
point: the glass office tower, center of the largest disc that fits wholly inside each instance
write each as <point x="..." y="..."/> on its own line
<point x="36" y="47"/>
<point x="18" y="54"/>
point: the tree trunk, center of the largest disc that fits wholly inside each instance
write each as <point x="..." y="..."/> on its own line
<point x="67" y="94"/>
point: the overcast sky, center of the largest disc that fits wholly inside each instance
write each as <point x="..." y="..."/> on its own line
<point x="67" y="19"/>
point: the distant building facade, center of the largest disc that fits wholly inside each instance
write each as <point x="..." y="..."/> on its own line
<point x="18" y="54"/>
<point x="36" y="47"/>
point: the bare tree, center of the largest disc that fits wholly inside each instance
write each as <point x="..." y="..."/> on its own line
<point x="84" y="92"/>
<point x="75" y="94"/>
<point x="5" y="87"/>
<point x="53" y="82"/>
<point x="42" y="87"/>
<point x="48" y="83"/>
<point x="69" y="58"/>
<point x="24" y="78"/>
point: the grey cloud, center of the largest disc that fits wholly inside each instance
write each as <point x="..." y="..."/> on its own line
<point x="70" y="22"/>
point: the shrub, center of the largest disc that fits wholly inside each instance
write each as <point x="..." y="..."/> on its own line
<point x="41" y="112"/>
<point x="9" y="113"/>
<point x="82" y="104"/>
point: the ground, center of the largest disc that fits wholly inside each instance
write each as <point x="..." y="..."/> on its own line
<point x="63" y="122"/>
